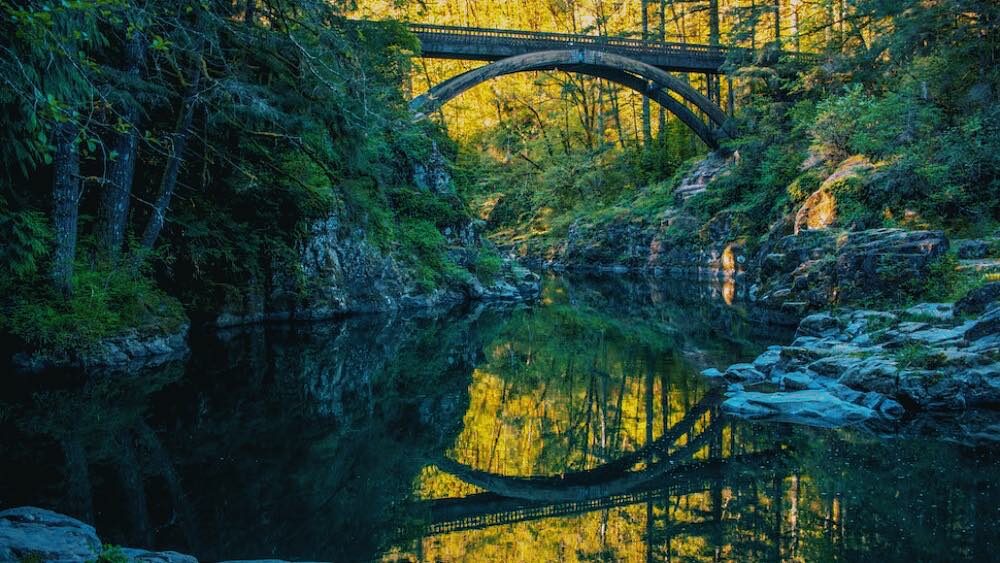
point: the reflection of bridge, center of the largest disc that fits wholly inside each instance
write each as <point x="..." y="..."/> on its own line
<point x="667" y="471"/>
<point x="489" y="509"/>
<point x="643" y="66"/>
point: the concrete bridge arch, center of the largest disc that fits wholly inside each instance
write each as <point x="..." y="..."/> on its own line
<point x="636" y="75"/>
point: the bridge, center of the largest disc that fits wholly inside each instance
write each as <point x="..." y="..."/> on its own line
<point x="642" y="66"/>
<point x="484" y="44"/>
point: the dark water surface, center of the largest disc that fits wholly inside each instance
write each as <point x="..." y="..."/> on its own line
<point x="574" y="430"/>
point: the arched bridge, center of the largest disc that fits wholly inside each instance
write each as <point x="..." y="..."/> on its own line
<point x="643" y="66"/>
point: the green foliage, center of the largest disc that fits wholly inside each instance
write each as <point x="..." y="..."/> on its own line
<point x="941" y="281"/>
<point x="487" y="265"/>
<point x="106" y="302"/>
<point x="443" y="210"/>
<point x="424" y="248"/>
<point x="804" y="185"/>
<point x="918" y="356"/>
<point x="24" y="237"/>
<point x="111" y="554"/>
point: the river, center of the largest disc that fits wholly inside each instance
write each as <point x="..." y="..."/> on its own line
<point x="577" y="429"/>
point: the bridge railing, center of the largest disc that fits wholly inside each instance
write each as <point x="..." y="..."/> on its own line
<point x="543" y="38"/>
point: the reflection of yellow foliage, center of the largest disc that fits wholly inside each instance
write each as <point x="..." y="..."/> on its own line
<point x="728" y="260"/>
<point x="728" y="291"/>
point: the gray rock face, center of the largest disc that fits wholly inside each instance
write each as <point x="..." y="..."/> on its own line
<point x="810" y="270"/>
<point x="338" y="271"/>
<point x="51" y="536"/>
<point x="812" y="407"/>
<point x="818" y="324"/>
<point x="130" y="351"/>
<point x="986" y="325"/>
<point x="976" y="301"/>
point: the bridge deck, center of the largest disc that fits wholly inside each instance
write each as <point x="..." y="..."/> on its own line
<point x="484" y="44"/>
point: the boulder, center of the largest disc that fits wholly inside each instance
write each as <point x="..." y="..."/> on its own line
<point x="29" y="531"/>
<point x="743" y="372"/>
<point x="766" y="361"/>
<point x="872" y="374"/>
<point x="796" y="381"/>
<point x="972" y="249"/>
<point x="812" y="407"/>
<point x="976" y="301"/>
<point x="818" y="325"/>
<point x="711" y="372"/>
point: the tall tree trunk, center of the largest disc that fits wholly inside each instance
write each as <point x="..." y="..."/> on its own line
<point x="662" y="36"/>
<point x="168" y="182"/>
<point x="715" y="91"/>
<point x="796" y="36"/>
<point x="112" y="211"/>
<point x="777" y="23"/>
<point x="65" y="205"/>
<point x="647" y="133"/>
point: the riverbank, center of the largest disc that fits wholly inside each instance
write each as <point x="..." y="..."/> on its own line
<point x="852" y="366"/>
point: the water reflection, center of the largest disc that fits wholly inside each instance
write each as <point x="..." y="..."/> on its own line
<point x="578" y="430"/>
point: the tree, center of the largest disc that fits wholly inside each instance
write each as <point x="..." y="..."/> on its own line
<point x="115" y="198"/>
<point x="65" y="204"/>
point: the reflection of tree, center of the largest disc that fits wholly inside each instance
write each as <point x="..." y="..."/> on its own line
<point x="304" y="437"/>
<point x="593" y="383"/>
<point x="596" y="373"/>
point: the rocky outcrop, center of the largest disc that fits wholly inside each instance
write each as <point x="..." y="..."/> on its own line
<point x="339" y="270"/>
<point x="882" y="361"/>
<point x="696" y="181"/>
<point x="814" y="269"/>
<point x="35" y="534"/>
<point x="128" y="351"/>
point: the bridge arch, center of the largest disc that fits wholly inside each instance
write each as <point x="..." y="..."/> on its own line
<point x="630" y="73"/>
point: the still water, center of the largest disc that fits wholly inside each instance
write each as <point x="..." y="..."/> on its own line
<point x="578" y="429"/>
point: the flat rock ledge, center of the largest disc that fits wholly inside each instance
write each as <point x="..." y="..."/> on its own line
<point x="126" y="352"/>
<point x="37" y="534"/>
<point x="859" y="365"/>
